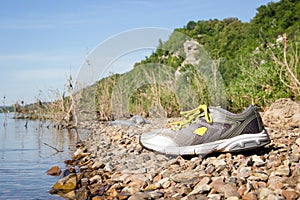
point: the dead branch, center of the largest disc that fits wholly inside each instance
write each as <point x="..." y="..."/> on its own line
<point x="57" y="150"/>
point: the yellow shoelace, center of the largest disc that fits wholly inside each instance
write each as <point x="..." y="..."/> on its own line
<point x="191" y="115"/>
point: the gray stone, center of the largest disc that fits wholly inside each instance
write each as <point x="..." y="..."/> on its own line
<point x="185" y="177"/>
<point x="257" y="161"/>
<point x="245" y="172"/>
<point x="282" y="171"/>
<point x="214" y="196"/>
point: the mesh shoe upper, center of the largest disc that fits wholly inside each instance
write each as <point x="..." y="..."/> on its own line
<point x="225" y="125"/>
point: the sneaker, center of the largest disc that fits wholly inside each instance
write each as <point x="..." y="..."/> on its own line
<point x="206" y="130"/>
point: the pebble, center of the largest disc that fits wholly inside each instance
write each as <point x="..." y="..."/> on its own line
<point x="111" y="164"/>
<point x="290" y="194"/>
<point x="54" y="171"/>
<point x="186" y="177"/>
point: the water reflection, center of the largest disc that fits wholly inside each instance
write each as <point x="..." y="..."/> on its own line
<point x="24" y="158"/>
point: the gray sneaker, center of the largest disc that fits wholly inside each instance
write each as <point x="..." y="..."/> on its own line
<point x="206" y="130"/>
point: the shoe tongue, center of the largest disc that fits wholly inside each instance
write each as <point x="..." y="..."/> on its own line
<point x="218" y="114"/>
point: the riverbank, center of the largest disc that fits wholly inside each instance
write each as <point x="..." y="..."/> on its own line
<point x="112" y="165"/>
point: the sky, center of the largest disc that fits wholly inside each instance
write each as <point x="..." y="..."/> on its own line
<point x="43" y="42"/>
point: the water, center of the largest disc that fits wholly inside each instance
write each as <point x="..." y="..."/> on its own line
<point x="24" y="158"/>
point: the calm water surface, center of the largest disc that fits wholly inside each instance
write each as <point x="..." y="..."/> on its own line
<point x="24" y="158"/>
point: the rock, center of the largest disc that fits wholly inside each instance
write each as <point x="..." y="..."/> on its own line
<point x="257" y="161"/>
<point x="259" y="176"/>
<point x="78" y="153"/>
<point x="231" y="191"/>
<point x="122" y="196"/>
<point x="97" y="198"/>
<point x="68" y="195"/>
<point x="95" y="179"/>
<point x="166" y="184"/>
<point x="250" y="196"/>
<point x="83" y="193"/>
<point x="265" y="193"/>
<point x="84" y="182"/>
<point x="109" y="167"/>
<point x="191" y="49"/>
<point x="137" y="119"/>
<point x="283" y="113"/>
<point x="298" y="142"/>
<point x="233" y="198"/>
<point x="185" y="177"/>
<point x="201" y="188"/>
<point x="245" y="172"/>
<point x="290" y="194"/>
<point x="214" y="196"/>
<point x="97" y="164"/>
<point x="242" y="189"/>
<point x="195" y="197"/>
<point x="120" y="168"/>
<point x="133" y="187"/>
<point x="228" y="189"/>
<point x="275" y="183"/>
<point x="219" y="164"/>
<point x="54" y="171"/>
<point x="218" y="186"/>
<point x="66" y="183"/>
<point x="153" y="186"/>
<point x="140" y="196"/>
<point x="184" y="191"/>
<point x="209" y="169"/>
<point x="155" y="194"/>
<point x="282" y="171"/>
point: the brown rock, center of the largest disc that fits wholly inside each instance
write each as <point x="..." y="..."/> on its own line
<point x="133" y="187"/>
<point x="66" y="183"/>
<point x="275" y="185"/>
<point x="242" y="189"/>
<point x="250" y="196"/>
<point x="153" y="186"/>
<point x="97" y="198"/>
<point x="290" y="194"/>
<point x="228" y="189"/>
<point x="54" y="171"/>
<point x="283" y="113"/>
<point x="231" y="191"/>
<point x="122" y="196"/>
<point x="183" y="191"/>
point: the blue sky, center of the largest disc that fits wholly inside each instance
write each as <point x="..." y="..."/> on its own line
<point x="41" y="42"/>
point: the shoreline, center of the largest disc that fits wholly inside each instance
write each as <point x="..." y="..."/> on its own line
<point x="111" y="164"/>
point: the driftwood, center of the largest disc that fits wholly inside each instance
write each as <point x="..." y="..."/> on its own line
<point x="57" y="150"/>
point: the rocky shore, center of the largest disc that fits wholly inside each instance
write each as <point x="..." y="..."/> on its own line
<point x="111" y="164"/>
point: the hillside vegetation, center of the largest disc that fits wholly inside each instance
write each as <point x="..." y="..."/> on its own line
<point x="233" y="64"/>
<point x="257" y="60"/>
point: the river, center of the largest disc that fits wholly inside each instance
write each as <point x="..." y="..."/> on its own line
<point x="24" y="158"/>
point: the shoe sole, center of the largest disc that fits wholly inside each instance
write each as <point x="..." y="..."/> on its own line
<point x="239" y="143"/>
